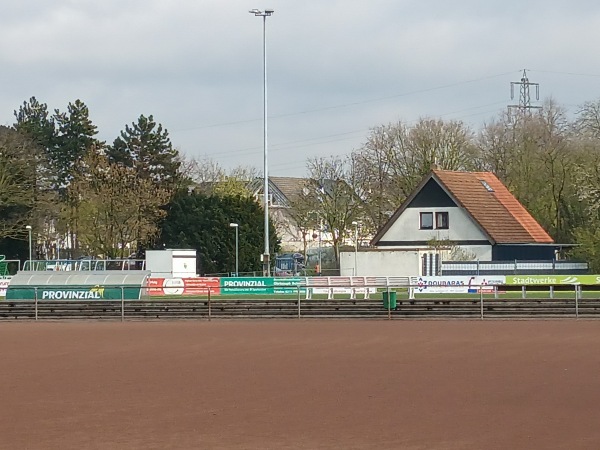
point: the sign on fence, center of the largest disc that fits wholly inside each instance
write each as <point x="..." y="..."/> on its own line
<point x="183" y="286"/>
<point x="456" y="285"/>
<point x="4" y="282"/>
<point x="97" y="292"/>
<point x="548" y="280"/>
<point x="258" y="286"/>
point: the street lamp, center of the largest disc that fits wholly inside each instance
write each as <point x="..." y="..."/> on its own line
<point x="264" y="14"/>
<point x="237" y="248"/>
<point x="28" y="227"/>
<point x="355" y="247"/>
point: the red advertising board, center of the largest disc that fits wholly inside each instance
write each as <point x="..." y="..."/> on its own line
<point x="184" y="286"/>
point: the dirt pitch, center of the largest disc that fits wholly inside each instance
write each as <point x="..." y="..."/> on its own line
<point x="300" y="385"/>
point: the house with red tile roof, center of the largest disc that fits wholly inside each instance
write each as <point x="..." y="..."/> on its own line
<point x="472" y="211"/>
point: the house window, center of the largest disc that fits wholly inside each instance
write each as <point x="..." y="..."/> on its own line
<point x="426" y="221"/>
<point x="441" y="220"/>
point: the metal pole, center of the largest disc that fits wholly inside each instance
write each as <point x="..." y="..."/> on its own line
<point x="266" y="263"/>
<point x="389" y="300"/>
<point x="355" y="248"/>
<point x="30" y="246"/>
<point x="209" y="312"/>
<point x="35" y="293"/>
<point x="237" y="253"/>
<point x="298" y="289"/>
<point x="266" y="164"/>
<point x="481" y="301"/>
<point x="576" y="301"/>
<point x="320" y="243"/>
<point x="122" y="304"/>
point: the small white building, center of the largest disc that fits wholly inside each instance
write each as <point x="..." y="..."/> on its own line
<point x="171" y="263"/>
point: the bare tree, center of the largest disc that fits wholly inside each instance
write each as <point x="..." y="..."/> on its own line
<point x="25" y="194"/>
<point x="396" y="157"/>
<point x="117" y="209"/>
<point x="330" y="194"/>
<point x="210" y="178"/>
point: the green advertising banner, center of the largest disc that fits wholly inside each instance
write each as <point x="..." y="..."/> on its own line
<point x="287" y="285"/>
<point x="246" y="285"/>
<point x="59" y="293"/>
<point x="549" y="280"/>
<point x="259" y="285"/>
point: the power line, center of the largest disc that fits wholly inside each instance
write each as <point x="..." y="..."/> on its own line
<point x="345" y="105"/>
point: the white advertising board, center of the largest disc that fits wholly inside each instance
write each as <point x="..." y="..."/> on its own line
<point x="4" y="282"/>
<point x="456" y="285"/>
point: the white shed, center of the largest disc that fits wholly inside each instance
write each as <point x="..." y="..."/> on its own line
<point x="170" y="263"/>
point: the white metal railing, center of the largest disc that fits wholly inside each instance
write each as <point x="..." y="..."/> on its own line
<point x="84" y="265"/>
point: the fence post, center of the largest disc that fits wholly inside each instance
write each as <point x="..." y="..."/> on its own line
<point x="298" y="289"/>
<point x="209" y="311"/>
<point x="481" y="301"/>
<point x="551" y="291"/>
<point x="523" y="292"/>
<point x="122" y="304"/>
<point x="35" y="295"/>
<point x="389" y="302"/>
<point x="576" y="301"/>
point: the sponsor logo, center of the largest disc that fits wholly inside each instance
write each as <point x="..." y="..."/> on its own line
<point x="423" y="284"/>
<point x="532" y="280"/>
<point x="246" y="283"/>
<point x="95" y="293"/>
<point x="569" y="280"/>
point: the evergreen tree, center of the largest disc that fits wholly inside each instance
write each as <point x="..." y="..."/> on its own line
<point x="146" y="147"/>
<point x="75" y="137"/>
<point x="34" y="121"/>
<point x="201" y="222"/>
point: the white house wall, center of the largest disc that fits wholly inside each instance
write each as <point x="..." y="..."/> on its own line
<point x="406" y="228"/>
<point x="380" y="263"/>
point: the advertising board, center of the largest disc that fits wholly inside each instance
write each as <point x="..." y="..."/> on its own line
<point x="183" y="286"/>
<point x="4" y="282"/>
<point x="550" y="280"/>
<point x="60" y="293"/>
<point x="247" y="285"/>
<point x="457" y="284"/>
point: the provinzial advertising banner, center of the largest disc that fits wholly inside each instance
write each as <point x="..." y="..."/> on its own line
<point x="260" y="285"/>
<point x="59" y="293"/>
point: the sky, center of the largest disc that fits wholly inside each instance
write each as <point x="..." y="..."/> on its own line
<point x="336" y="69"/>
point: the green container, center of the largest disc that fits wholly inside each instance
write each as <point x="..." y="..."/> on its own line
<point x="389" y="299"/>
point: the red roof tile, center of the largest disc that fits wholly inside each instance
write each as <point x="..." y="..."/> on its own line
<point x="496" y="210"/>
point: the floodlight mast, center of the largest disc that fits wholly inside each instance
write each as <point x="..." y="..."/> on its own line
<point x="266" y="263"/>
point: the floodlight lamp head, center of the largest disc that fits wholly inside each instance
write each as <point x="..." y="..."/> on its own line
<point x="258" y="12"/>
<point x="233" y="225"/>
<point x="28" y="227"/>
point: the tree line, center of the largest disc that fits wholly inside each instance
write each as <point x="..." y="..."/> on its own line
<point x="85" y="197"/>
<point x="105" y="197"/>
<point x="549" y="162"/>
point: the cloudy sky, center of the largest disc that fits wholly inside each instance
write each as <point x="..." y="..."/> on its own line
<point x="336" y="68"/>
